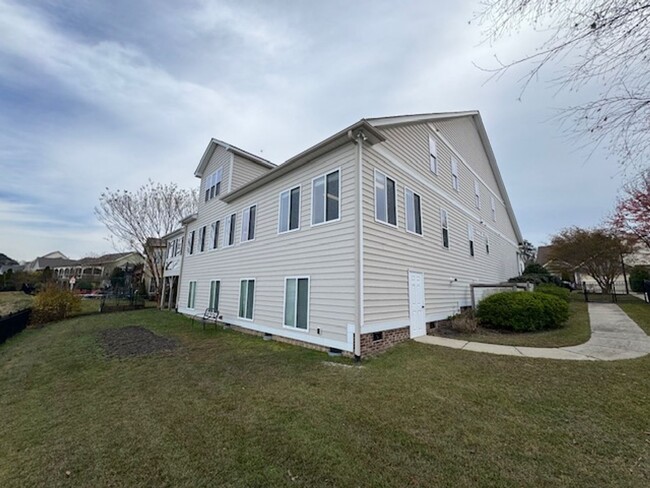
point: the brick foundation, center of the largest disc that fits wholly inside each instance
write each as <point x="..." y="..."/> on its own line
<point x="372" y="344"/>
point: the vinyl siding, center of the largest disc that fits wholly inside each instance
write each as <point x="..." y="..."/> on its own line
<point x="389" y="253"/>
<point x="325" y="253"/>
<point x="245" y="171"/>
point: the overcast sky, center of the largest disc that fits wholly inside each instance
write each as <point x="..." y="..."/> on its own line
<point x="96" y="94"/>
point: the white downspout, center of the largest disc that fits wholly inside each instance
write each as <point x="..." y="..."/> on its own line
<point x="360" y="137"/>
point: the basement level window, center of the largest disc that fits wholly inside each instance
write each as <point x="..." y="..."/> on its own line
<point x="377" y="336"/>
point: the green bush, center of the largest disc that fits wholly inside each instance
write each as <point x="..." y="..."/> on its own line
<point x="54" y="303"/>
<point x="536" y="279"/>
<point x="522" y="311"/>
<point x="536" y="268"/>
<point x="556" y="291"/>
<point x="637" y="275"/>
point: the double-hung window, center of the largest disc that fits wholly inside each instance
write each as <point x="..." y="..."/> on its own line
<point x="444" y="225"/>
<point x="470" y="237"/>
<point x="202" y="239"/>
<point x="246" y="299"/>
<point x="229" y="234"/>
<point x="190" y="243"/>
<point x="413" y="212"/>
<point x="477" y="194"/>
<point x="248" y="223"/>
<point x="385" y="201"/>
<point x="487" y="244"/>
<point x="433" y="156"/>
<point x="455" y="182"/>
<point x="214" y="234"/>
<point x="326" y="201"/>
<point x="493" y="206"/>
<point x="191" y="295"/>
<point x="296" y="303"/>
<point x="215" y="288"/>
<point x="213" y="184"/>
<point x="289" y="210"/>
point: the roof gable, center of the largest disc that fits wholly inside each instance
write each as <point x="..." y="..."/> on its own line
<point x="212" y="146"/>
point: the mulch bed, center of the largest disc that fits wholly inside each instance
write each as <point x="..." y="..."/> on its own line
<point x="134" y="341"/>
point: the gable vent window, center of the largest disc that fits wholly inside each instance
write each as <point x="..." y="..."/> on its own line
<point x="433" y="156"/>
<point x="477" y="194"/>
<point x="444" y="224"/>
<point x="470" y="236"/>
<point x="385" y="201"/>
<point x="248" y="224"/>
<point x="326" y="203"/>
<point x="455" y="182"/>
<point x="213" y="184"/>
<point x="289" y="210"/>
<point x="413" y="212"/>
<point x="229" y="234"/>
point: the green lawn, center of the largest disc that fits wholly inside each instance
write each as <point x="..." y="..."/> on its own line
<point x="13" y="301"/>
<point x="229" y="409"/>
<point x="637" y="310"/>
<point x="575" y="331"/>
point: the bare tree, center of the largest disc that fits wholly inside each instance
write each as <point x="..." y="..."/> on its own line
<point x="600" y="43"/>
<point x="596" y="252"/>
<point x="152" y="211"/>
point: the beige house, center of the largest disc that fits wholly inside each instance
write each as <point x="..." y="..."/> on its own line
<point x="354" y="244"/>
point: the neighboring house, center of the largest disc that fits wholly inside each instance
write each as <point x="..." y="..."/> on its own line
<point x="96" y="269"/>
<point x="51" y="260"/>
<point x="172" y="268"/>
<point x="356" y="243"/>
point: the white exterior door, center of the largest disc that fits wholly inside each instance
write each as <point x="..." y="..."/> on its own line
<point x="416" y="304"/>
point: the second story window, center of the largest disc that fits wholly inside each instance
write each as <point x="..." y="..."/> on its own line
<point x="487" y="244"/>
<point x="248" y="223"/>
<point x="326" y="198"/>
<point x="229" y="231"/>
<point x="444" y="225"/>
<point x="213" y="184"/>
<point x="289" y="218"/>
<point x="385" y="204"/>
<point x="433" y="155"/>
<point x="455" y="182"/>
<point x="202" y="239"/>
<point x="470" y="236"/>
<point x="477" y="194"/>
<point x="413" y="212"/>
<point x="493" y="206"/>
<point x="214" y="235"/>
<point x="190" y="243"/>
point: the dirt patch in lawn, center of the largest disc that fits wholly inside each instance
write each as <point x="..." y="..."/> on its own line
<point x="134" y="341"/>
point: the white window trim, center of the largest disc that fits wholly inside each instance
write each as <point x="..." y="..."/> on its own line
<point x="470" y="238"/>
<point x="374" y="207"/>
<point x="487" y="243"/>
<point x="311" y="202"/>
<point x="493" y="208"/>
<point x="442" y="227"/>
<point x="239" y="302"/>
<point x="454" y="164"/>
<point x="241" y="230"/>
<point x="210" y="248"/>
<point x="433" y="144"/>
<point x="210" y="292"/>
<point x="191" y="242"/>
<point x="204" y="229"/>
<point x="406" y="220"/>
<point x="226" y="234"/>
<point x="477" y="194"/>
<point x="284" y="303"/>
<point x="189" y="291"/>
<point x="289" y="190"/>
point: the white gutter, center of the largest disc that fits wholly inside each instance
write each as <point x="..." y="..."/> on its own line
<point x="359" y="137"/>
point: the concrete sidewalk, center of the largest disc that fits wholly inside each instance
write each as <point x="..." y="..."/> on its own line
<point x="613" y="336"/>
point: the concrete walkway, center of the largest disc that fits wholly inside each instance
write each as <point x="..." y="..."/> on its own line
<point x="613" y="336"/>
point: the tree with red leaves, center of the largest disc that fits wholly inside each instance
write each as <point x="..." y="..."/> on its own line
<point x="632" y="215"/>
